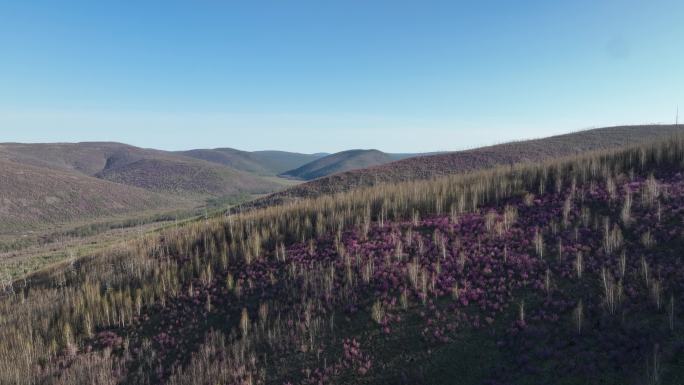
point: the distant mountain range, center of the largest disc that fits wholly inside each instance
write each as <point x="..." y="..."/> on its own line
<point x="343" y="161"/>
<point x="44" y="184"/>
<point x="431" y="166"/>
<point x="268" y="163"/>
<point x="53" y="183"/>
<point x="49" y="184"/>
<point x="33" y="197"/>
<point x="295" y="165"/>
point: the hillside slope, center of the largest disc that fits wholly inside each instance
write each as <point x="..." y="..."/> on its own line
<point x="339" y="162"/>
<point x="35" y="197"/>
<point x="258" y="162"/>
<point x="186" y="177"/>
<point x="426" y="167"/>
<point x="59" y="183"/>
<point x="154" y="170"/>
<point x="88" y="158"/>
<point x="549" y="273"/>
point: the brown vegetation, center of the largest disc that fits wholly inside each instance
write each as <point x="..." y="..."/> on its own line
<point x="427" y="167"/>
<point x="273" y="295"/>
<point x="48" y="184"/>
<point x="34" y="197"/>
<point x="187" y="178"/>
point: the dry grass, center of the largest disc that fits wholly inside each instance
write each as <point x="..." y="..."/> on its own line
<point x="502" y="155"/>
<point x="209" y="274"/>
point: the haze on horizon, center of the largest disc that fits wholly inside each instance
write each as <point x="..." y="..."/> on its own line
<point x="312" y="77"/>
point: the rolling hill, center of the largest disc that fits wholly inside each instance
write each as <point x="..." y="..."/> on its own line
<point x="87" y="158"/>
<point x="63" y="182"/>
<point x="33" y="197"/>
<point x="343" y="161"/>
<point x="427" y="167"/>
<point x="155" y="170"/>
<point x="559" y="272"/>
<point x="338" y="162"/>
<point x="186" y="177"/>
<point x="268" y="163"/>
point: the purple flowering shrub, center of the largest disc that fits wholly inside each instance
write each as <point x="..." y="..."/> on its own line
<point x="558" y="282"/>
<point x="567" y="272"/>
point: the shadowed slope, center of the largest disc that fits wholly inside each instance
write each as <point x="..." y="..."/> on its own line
<point x="339" y="162"/>
<point x="258" y="162"/>
<point x="187" y="177"/>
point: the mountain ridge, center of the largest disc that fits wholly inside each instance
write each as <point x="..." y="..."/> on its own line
<point x="266" y="163"/>
<point x="432" y="166"/>
<point x="33" y="197"/>
<point x="344" y="161"/>
<point x="52" y="183"/>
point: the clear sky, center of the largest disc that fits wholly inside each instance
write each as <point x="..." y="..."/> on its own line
<point x="312" y="76"/>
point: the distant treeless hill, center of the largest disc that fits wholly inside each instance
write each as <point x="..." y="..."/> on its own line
<point x="53" y="183"/>
<point x="88" y="158"/>
<point x="343" y="161"/>
<point x="154" y="170"/>
<point x="33" y="196"/>
<point x="269" y="163"/>
<point x="47" y="184"/>
<point x="187" y="178"/>
<point x="425" y="167"/>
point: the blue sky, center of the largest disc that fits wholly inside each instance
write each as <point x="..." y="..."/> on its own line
<point x="313" y="76"/>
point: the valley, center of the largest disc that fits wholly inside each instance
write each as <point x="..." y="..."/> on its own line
<point x="494" y="275"/>
<point x="341" y="193"/>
